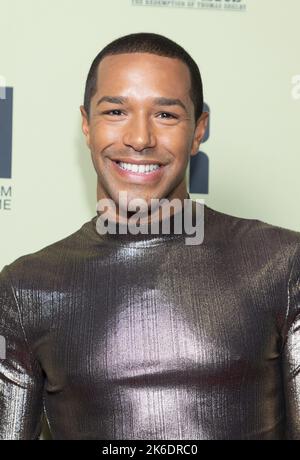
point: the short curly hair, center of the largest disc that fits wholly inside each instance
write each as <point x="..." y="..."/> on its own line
<point x="144" y="42"/>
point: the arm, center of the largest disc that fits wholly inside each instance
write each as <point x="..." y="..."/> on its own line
<point x="21" y="377"/>
<point x="291" y="352"/>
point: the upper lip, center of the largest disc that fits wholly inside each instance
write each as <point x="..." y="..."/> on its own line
<point x="138" y="162"/>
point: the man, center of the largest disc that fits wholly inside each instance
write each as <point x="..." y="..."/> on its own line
<point x="122" y="336"/>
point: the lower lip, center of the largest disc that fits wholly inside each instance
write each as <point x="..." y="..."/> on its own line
<point x="139" y="177"/>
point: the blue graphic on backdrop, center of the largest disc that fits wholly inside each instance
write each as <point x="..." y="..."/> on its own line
<point x="199" y="165"/>
<point x="6" y="116"/>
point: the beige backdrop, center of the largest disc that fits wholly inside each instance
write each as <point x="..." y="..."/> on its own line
<point x="248" y="62"/>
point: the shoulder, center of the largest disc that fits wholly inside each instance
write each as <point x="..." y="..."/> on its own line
<point x="262" y="246"/>
<point x="250" y="231"/>
<point x="48" y="262"/>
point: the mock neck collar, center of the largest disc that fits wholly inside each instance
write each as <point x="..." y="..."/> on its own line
<point x="170" y="229"/>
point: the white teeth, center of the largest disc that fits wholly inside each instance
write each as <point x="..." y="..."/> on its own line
<point x="138" y="168"/>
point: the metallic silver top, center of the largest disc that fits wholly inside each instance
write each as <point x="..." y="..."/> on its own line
<point x="124" y="337"/>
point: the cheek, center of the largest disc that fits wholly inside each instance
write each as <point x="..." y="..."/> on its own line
<point x="177" y="142"/>
<point x="102" y="136"/>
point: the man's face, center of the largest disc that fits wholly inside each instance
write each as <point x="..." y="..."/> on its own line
<point x="142" y="113"/>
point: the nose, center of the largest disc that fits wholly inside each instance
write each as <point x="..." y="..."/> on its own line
<point x="139" y="133"/>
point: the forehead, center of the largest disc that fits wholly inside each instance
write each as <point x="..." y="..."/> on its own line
<point x="145" y="73"/>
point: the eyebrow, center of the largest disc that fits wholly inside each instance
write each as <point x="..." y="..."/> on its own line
<point x="164" y="101"/>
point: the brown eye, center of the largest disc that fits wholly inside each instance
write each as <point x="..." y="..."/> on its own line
<point x="112" y="112"/>
<point x="168" y="115"/>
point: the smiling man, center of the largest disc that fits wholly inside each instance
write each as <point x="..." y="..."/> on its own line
<point x="141" y="336"/>
<point x="142" y="125"/>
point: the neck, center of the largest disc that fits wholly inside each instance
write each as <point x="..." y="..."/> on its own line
<point x="121" y="214"/>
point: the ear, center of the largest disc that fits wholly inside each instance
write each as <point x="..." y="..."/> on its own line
<point x="85" y="125"/>
<point x="199" y="133"/>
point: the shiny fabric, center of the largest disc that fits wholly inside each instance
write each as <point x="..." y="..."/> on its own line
<point x="144" y="337"/>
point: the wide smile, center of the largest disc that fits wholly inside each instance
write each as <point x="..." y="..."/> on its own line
<point x="136" y="175"/>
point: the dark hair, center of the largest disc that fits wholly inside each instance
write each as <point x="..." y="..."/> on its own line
<point x="144" y="42"/>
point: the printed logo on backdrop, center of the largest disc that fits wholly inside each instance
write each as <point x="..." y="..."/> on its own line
<point x="199" y="164"/>
<point x="6" y="117"/>
<point x="214" y="5"/>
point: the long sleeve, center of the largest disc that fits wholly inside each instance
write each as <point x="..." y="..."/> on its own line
<point x="21" y="377"/>
<point x="193" y="341"/>
<point x="291" y="353"/>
